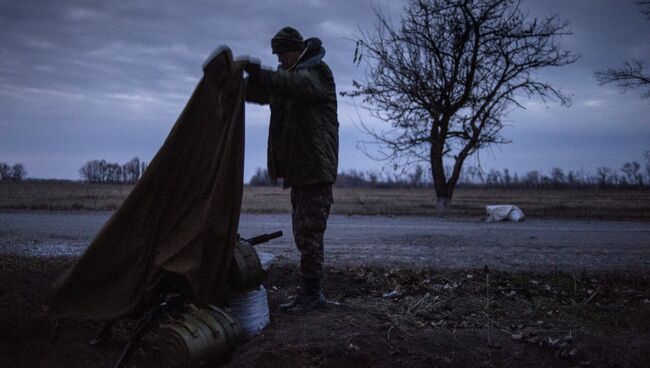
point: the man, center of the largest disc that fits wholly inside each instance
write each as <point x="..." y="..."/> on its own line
<point x="302" y="146"/>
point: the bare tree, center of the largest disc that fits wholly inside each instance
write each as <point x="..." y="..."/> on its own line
<point x="416" y="178"/>
<point x="494" y="178"/>
<point x="603" y="174"/>
<point x="103" y="171"/>
<point x="631" y="74"/>
<point x="131" y="171"/>
<point x="631" y="170"/>
<point x="446" y="76"/>
<point x="90" y="171"/>
<point x="647" y="164"/>
<point x="5" y="171"/>
<point x="533" y="179"/>
<point x="260" y="178"/>
<point x="100" y="171"/>
<point x="18" y="172"/>
<point x="557" y="177"/>
<point x="113" y="172"/>
<point x="471" y="174"/>
<point x="507" y="178"/>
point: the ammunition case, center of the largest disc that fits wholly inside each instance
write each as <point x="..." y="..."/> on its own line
<point x="198" y="336"/>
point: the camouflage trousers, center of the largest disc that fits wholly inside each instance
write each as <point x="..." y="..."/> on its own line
<point x="311" y="207"/>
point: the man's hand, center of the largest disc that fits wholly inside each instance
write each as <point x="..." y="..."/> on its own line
<point x="253" y="68"/>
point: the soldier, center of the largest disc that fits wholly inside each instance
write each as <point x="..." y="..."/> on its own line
<point x="302" y="146"/>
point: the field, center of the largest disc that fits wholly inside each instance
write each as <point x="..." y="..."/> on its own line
<point x="612" y="204"/>
<point x="451" y="317"/>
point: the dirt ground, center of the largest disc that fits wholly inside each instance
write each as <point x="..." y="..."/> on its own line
<point x="455" y="318"/>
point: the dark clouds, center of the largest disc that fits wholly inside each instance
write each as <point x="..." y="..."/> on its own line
<point x="81" y="80"/>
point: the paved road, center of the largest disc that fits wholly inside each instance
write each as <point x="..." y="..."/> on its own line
<point x="566" y="245"/>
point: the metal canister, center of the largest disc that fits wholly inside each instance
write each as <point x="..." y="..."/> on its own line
<point x="231" y="325"/>
<point x="246" y="270"/>
<point x="198" y="336"/>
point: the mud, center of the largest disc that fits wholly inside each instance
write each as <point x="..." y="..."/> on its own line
<point x="459" y="318"/>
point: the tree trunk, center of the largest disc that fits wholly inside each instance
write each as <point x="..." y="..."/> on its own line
<point x="443" y="194"/>
<point x="442" y="203"/>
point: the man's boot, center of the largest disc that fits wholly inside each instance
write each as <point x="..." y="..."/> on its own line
<point x="309" y="298"/>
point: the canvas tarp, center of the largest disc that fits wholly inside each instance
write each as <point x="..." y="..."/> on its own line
<point x="181" y="217"/>
<point x="504" y="212"/>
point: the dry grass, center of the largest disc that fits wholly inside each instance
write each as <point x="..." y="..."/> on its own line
<point x="62" y="195"/>
<point x="628" y="203"/>
<point x="619" y="204"/>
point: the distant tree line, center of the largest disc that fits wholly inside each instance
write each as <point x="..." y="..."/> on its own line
<point x="100" y="171"/>
<point x="630" y="174"/>
<point x="16" y="172"/>
<point x="261" y="179"/>
<point x="359" y="179"/>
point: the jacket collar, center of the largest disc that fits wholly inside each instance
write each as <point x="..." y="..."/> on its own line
<point x="312" y="60"/>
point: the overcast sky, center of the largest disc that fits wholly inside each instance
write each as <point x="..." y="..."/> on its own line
<point x="83" y="80"/>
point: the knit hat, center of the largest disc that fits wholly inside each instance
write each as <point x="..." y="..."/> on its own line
<point x="287" y="39"/>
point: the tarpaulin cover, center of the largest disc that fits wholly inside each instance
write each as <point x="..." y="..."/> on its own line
<point x="181" y="217"/>
<point x="504" y="212"/>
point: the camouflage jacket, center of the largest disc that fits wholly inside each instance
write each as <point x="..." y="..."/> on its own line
<point x="303" y="133"/>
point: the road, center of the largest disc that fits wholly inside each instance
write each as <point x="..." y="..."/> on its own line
<point x="549" y="245"/>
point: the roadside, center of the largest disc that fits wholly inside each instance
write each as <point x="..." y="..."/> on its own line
<point x="455" y="318"/>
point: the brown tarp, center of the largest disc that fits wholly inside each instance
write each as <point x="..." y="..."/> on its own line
<point x="181" y="217"/>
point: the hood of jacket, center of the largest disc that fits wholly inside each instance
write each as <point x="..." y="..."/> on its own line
<point x="313" y="55"/>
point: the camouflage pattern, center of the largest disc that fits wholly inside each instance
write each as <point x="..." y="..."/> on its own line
<point x="311" y="207"/>
<point x="304" y="129"/>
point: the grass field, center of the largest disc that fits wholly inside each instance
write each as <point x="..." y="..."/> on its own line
<point x="614" y="204"/>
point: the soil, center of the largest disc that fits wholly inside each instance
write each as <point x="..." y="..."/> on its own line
<point x="450" y="318"/>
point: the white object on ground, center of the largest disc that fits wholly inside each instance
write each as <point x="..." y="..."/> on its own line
<point x="391" y="294"/>
<point x="251" y="308"/>
<point x="504" y="212"/>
